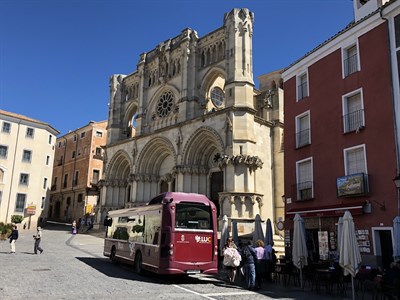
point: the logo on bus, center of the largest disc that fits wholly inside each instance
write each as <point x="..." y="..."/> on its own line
<point x="203" y="239"/>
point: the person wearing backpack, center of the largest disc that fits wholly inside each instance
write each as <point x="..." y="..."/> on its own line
<point x="249" y="257"/>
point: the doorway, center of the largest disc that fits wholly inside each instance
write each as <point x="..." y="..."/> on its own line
<point x="383" y="246"/>
<point x="216" y="186"/>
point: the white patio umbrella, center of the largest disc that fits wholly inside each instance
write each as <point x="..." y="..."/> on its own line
<point x="350" y="257"/>
<point x="258" y="233"/>
<point x="396" y="237"/>
<point x="224" y="233"/>
<point x="299" y="246"/>
<point x="235" y="235"/>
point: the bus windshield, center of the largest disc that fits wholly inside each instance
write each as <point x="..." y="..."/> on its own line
<point x="193" y="216"/>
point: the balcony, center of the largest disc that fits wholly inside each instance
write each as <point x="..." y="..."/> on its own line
<point x="352" y="185"/>
<point x="302" y="138"/>
<point x="59" y="162"/>
<point x="53" y="187"/>
<point x="98" y="156"/>
<point x="304" y="191"/>
<point x="354" y="121"/>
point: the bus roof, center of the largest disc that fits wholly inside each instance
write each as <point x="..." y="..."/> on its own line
<point x="125" y="212"/>
<point x="179" y="196"/>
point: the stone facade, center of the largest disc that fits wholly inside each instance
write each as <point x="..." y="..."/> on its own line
<point x="190" y="119"/>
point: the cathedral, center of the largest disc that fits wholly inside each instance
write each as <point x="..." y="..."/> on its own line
<point x="190" y="119"/>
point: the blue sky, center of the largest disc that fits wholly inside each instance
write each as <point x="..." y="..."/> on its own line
<point x="56" y="56"/>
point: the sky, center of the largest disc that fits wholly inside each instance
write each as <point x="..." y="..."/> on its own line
<point x="56" y="56"/>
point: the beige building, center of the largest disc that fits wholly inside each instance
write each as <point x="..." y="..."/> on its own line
<point x="78" y="167"/>
<point x="26" y="166"/>
<point x="190" y="119"/>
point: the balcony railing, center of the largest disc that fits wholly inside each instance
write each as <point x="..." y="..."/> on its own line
<point x="352" y="185"/>
<point x="53" y="187"/>
<point x="354" y="121"/>
<point x="302" y="90"/>
<point x="302" y="138"/>
<point x="304" y="190"/>
<point x="350" y="65"/>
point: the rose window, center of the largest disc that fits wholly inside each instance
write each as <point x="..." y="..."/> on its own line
<point x="165" y="103"/>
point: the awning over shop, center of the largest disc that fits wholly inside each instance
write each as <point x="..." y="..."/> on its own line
<point x="327" y="211"/>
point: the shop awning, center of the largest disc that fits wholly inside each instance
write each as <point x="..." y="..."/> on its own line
<point x="327" y="211"/>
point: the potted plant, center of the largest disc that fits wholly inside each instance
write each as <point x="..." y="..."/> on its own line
<point x="5" y="230"/>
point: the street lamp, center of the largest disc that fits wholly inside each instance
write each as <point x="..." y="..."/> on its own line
<point x="396" y="181"/>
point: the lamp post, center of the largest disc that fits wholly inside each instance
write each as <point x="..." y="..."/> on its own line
<point x="396" y="181"/>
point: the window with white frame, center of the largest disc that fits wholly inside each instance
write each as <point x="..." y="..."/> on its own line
<point x="99" y="133"/>
<point x="355" y="161"/>
<point x="350" y="60"/>
<point x="27" y="156"/>
<point x="30" y="132"/>
<point x="24" y="179"/>
<point x="3" y="151"/>
<point x="20" y="203"/>
<point x="302" y="86"/>
<point x="305" y="190"/>
<point x="47" y="160"/>
<point x="397" y="42"/>
<point x="6" y="128"/>
<point x="50" y="138"/>
<point x="303" y="130"/>
<point x="353" y="112"/>
<point x="45" y="183"/>
<point x="43" y="203"/>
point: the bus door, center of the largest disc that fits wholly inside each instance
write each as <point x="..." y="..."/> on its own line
<point x="152" y="232"/>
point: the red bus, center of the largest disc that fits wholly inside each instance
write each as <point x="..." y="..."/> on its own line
<point x="176" y="233"/>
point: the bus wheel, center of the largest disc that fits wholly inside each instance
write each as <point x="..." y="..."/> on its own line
<point x="112" y="256"/>
<point x="138" y="263"/>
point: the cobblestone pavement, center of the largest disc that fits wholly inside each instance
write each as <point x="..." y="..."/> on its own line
<point x="73" y="267"/>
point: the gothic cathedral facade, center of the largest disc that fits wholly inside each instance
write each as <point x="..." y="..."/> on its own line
<point x="189" y="119"/>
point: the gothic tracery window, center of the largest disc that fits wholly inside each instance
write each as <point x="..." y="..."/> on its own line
<point x="165" y="103"/>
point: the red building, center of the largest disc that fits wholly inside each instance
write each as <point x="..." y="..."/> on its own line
<point x="340" y="138"/>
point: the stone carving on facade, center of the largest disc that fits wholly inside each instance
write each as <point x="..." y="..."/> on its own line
<point x="253" y="162"/>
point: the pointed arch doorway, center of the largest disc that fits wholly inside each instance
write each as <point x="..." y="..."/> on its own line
<point x="216" y="186"/>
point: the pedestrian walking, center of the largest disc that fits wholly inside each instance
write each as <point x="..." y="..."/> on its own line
<point x="260" y="263"/>
<point x="270" y="256"/>
<point x="74" y="227"/>
<point x="82" y="222"/>
<point x="13" y="238"/>
<point x="232" y="259"/>
<point x="38" y="238"/>
<point x="249" y="257"/>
